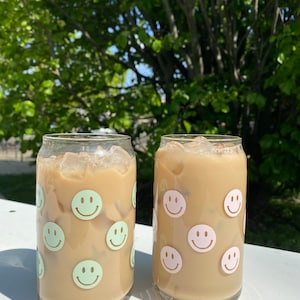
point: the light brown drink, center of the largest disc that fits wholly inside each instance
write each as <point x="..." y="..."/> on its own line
<point x="199" y="217"/>
<point x="85" y="224"/>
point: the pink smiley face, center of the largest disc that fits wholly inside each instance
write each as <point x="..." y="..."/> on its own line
<point x="170" y="259"/>
<point x="174" y="203"/>
<point x="230" y="260"/>
<point x="202" y="238"/>
<point x="233" y="203"/>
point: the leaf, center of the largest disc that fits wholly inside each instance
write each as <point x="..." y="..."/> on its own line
<point x="47" y="84"/>
<point x="143" y="36"/>
<point x="157" y="46"/>
<point x="287" y="86"/>
<point x="281" y="58"/>
<point x="25" y="108"/>
<point x="122" y="39"/>
<point x="256" y="99"/>
<point x="187" y="125"/>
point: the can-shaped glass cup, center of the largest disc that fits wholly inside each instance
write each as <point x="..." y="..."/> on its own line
<point x="85" y="199"/>
<point x="199" y="216"/>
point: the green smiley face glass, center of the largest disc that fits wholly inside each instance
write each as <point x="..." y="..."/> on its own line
<point x="53" y="236"/>
<point x="87" y="274"/>
<point x="117" y="235"/>
<point x="86" y="205"/>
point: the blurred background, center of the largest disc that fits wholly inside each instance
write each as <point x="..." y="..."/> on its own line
<point x="147" y="68"/>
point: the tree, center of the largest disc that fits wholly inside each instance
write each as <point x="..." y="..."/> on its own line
<point x="148" y="68"/>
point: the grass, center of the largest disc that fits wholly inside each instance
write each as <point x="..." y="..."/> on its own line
<point x="275" y="225"/>
<point x="18" y="187"/>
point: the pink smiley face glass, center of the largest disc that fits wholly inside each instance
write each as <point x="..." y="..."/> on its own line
<point x="199" y="216"/>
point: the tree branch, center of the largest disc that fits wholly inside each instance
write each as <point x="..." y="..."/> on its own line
<point x="231" y="42"/>
<point x="171" y="19"/>
<point x="212" y="39"/>
<point x="196" y="65"/>
<point x="90" y="39"/>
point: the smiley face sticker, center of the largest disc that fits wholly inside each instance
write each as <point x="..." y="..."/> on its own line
<point x="202" y="238"/>
<point x="233" y="203"/>
<point x="132" y="257"/>
<point x="53" y="236"/>
<point x="117" y="235"/>
<point x="87" y="274"/>
<point x="86" y="205"/>
<point x="39" y="196"/>
<point x="40" y="269"/>
<point x="230" y="260"/>
<point x="174" y="203"/>
<point x="170" y="259"/>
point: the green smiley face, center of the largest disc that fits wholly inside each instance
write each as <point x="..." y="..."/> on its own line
<point x="132" y="257"/>
<point x="117" y="235"/>
<point x="53" y="236"/>
<point x="86" y="205"/>
<point x="87" y="274"/>
<point x="40" y="269"/>
<point x="39" y="196"/>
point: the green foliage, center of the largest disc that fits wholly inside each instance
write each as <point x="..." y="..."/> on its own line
<point x="276" y="226"/>
<point x="280" y="146"/>
<point x="18" y="187"/>
<point x="148" y="68"/>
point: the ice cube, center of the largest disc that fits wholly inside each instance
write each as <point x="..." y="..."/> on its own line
<point x="228" y="148"/>
<point x="171" y="156"/>
<point x="117" y="158"/>
<point x="75" y="230"/>
<point x="174" y="146"/>
<point x="100" y="151"/>
<point x="112" y="212"/>
<point x="199" y="145"/>
<point x="74" y="165"/>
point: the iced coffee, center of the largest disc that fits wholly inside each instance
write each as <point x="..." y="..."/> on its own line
<point x="85" y="198"/>
<point x="199" y="217"/>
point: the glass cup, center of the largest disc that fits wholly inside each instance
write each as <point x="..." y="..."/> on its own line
<point x="199" y="217"/>
<point x="85" y="199"/>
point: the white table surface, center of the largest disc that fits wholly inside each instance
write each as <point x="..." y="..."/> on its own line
<point x="269" y="274"/>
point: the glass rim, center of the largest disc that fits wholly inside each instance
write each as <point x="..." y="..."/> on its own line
<point x="85" y="137"/>
<point x="214" y="138"/>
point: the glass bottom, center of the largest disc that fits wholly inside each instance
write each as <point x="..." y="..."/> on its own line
<point x="168" y="297"/>
<point x="126" y="297"/>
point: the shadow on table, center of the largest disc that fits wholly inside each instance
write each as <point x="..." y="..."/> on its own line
<point x="143" y="287"/>
<point x="17" y="273"/>
<point x="18" y="276"/>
